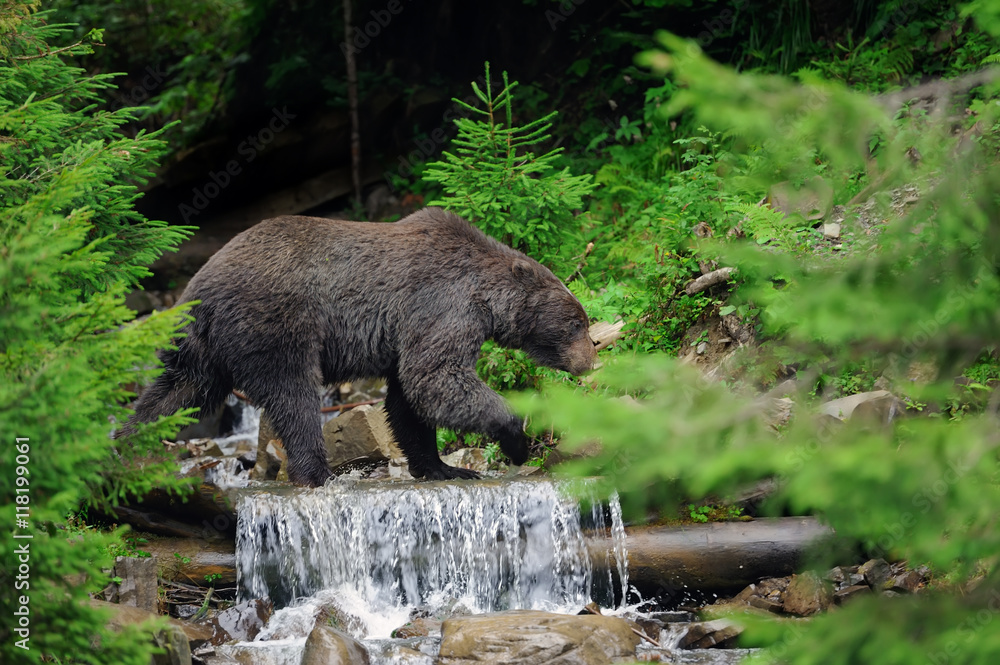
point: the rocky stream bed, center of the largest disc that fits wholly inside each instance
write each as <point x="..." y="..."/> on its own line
<point x="378" y="568"/>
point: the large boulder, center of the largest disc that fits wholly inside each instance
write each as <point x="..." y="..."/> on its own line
<point x="361" y="432"/>
<point x="139" y="584"/>
<point x="240" y="622"/>
<point x="175" y="638"/>
<point x="876" y="407"/>
<point x="329" y="646"/>
<point x="807" y="594"/>
<point x="526" y="637"/>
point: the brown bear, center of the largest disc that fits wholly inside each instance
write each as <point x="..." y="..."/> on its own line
<point x="297" y="302"/>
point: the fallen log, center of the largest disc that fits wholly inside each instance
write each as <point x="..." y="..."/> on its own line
<point x="716" y="557"/>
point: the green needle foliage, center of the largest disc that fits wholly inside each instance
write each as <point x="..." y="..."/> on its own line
<point x="924" y="488"/>
<point x="71" y="246"/>
<point x="493" y="179"/>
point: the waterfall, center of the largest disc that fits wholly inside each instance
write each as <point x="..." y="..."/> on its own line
<point x="487" y="545"/>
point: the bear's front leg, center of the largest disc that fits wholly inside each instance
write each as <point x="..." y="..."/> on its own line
<point x="454" y="397"/>
<point x="417" y="439"/>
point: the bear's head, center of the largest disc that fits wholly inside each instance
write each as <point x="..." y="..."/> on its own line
<point x="553" y="324"/>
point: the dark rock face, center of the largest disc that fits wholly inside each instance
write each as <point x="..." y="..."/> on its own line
<point x="297" y="302"/>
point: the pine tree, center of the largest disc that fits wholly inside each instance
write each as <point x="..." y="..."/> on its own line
<point x="493" y="179"/>
<point x="71" y="245"/>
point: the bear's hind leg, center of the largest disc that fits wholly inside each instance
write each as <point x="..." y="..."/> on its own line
<point x="173" y="390"/>
<point x="293" y="410"/>
<point x="417" y="439"/>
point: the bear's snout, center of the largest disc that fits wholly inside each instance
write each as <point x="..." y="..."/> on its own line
<point x="581" y="355"/>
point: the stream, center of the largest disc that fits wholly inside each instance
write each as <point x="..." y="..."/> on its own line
<point x="371" y="556"/>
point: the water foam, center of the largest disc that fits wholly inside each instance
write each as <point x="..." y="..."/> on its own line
<point x="385" y="549"/>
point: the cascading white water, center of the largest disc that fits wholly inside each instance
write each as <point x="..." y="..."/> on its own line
<point x="489" y="545"/>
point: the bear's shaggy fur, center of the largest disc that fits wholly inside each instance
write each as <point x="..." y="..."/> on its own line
<point x="297" y="302"/>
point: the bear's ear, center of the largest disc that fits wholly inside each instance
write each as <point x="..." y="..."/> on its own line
<point x="523" y="271"/>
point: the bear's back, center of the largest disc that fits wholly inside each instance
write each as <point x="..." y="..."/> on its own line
<point x="327" y="258"/>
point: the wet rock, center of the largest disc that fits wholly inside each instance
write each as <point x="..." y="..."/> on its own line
<point x="535" y="637"/>
<point x="842" y="595"/>
<point x="906" y="582"/>
<point x="399" y="470"/>
<point x="806" y="595"/>
<point x="176" y="638"/>
<point x="765" y="604"/>
<point x="747" y="593"/>
<point x="765" y="595"/>
<point x="241" y="622"/>
<point x="844" y="407"/>
<point x="366" y="465"/>
<point x="186" y="611"/>
<point x="403" y="655"/>
<point x="879" y="411"/>
<point x="718" y="633"/>
<point x="467" y="458"/>
<point x="138" y="587"/>
<point x="876" y="572"/>
<point x="836" y="575"/>
<point x="813" y="200"/>
<point x="329" y="646"/>
<point x="270" y="452"/>
<point x="355" y="433"/>
<point x="777" y="411"/>
<point x="335" y="612"/>
<point x="773" y="587"/>
<point x="419" y="627"/>
<point x="672" y="617"/>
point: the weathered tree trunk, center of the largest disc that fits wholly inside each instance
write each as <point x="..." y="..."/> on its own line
<point x="715" y="557"/>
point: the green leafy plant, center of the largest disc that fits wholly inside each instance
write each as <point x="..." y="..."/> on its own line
<point x="713" y="513"/>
